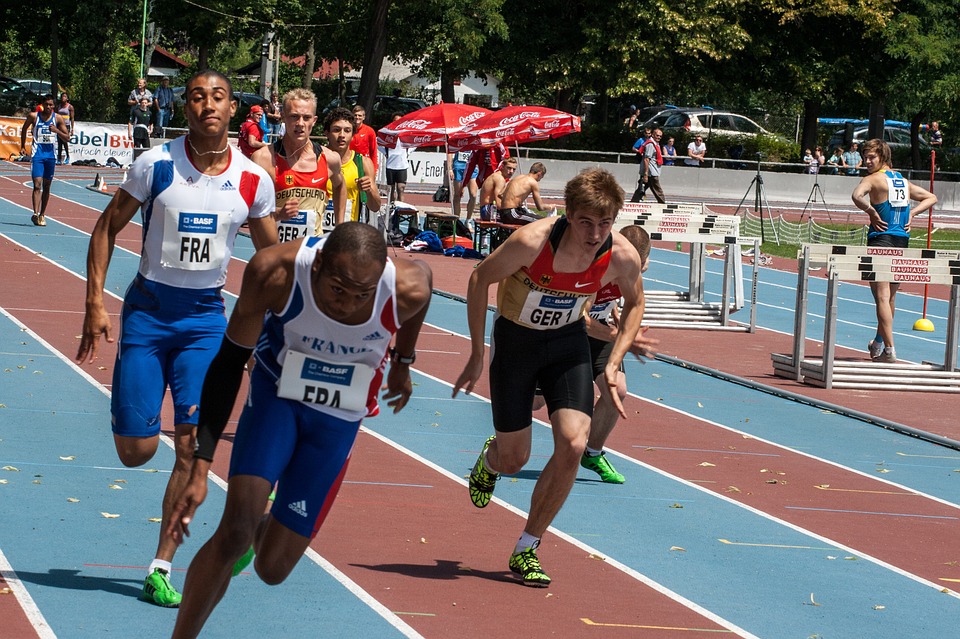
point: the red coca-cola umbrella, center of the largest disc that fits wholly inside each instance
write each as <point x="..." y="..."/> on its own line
<point x="514" y="125"/>
<point x="430" y="126"/>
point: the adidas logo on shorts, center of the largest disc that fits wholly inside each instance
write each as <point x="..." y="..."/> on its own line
<point x="299" y="507"/>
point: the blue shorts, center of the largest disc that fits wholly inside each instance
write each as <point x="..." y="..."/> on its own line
<point x="168" y="336"/>
<point x="460" y="169"/>
<point x="303" y="450"/>
<point x="42" y="168"/>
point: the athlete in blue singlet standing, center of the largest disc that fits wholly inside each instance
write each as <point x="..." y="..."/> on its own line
<point x="885" y="196"/>
<point x="47" y="127"/>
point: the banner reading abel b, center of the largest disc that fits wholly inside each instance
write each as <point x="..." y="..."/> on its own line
<point x="90" y="141"/>
<point x="100" y="142"/>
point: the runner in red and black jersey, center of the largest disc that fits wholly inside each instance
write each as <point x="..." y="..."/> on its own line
<point x="301" y="169"/>
<point x="548" y="272"/>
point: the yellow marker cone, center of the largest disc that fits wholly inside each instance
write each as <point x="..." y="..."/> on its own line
<point x="923" y="324"/>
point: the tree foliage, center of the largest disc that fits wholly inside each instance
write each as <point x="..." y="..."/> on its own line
<point x="786" y="56"/>
<point x="921" y="44"/>
<point x="445" y="39"/>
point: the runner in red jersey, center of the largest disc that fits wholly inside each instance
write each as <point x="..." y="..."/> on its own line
<point x="548" y="271"/>
<point x="301" y="169"/>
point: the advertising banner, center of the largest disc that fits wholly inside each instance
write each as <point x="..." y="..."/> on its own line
<point x="90" y="141"/>
<point x="100" y="142"/>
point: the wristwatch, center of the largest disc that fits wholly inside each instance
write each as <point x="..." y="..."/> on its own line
<point x="397" y="358"/>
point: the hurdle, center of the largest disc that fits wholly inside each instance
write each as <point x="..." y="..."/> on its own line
<point x="689" y="309"/>
<point x="871" y="264"/>
<point x="693" y="208"/>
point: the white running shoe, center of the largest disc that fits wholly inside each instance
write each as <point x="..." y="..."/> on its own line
<point x="888" y="356"/>
<point x="875" y="348"/>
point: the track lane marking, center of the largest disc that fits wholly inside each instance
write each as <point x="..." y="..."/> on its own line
<point x="589" y="622"/>
<point x="757" y="545"/>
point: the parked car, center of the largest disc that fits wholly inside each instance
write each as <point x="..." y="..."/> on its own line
<point x="383" y="109"/>
<point x="16" y="99"/>
<point x="243" y="98"/>
<point x="40" y="87"/>
<point x="705" y="122"/>
<point x="896" y="137"/>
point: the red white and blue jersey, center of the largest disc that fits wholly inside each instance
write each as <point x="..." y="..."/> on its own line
<point x="190" y="219"/>
<point x="329" y="366"/>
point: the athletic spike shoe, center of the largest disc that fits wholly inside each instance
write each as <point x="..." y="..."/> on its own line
<point x="875" y="348"/>
<point x="157" y="588"/>
<point x="526" y="564"/>
<point x="601" y="466"/>
<point x="482" y="482"/>
<point x="243" y="562"/>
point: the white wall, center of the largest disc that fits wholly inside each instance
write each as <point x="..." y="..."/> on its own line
<point x="694" y="183"/>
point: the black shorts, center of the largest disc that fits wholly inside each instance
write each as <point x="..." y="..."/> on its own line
<point x="396" y="176"/>
<point x="141" y="138"/>
<point x="522" y="358"/>
<point x="889" y="241"/>
<point x="519" y="215"/>
<point x="600" y="354"/>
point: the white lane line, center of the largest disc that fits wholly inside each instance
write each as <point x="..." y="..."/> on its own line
<point x="751" y="509"/>
<point x="325" y="565"/>
<point x="642" y="578"/>
<point x="30" y="608"/>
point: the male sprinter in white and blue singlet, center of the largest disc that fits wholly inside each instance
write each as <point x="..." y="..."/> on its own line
<point x="194" y="193"/>
<point x="48" y="127"/>
<point x="332" y="307"/>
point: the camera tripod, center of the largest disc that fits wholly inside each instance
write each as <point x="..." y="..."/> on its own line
<point x="759" y="196"/>
<point x="812" y="199"/>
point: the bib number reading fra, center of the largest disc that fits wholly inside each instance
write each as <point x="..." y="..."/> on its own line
<point x="194" y="250"/>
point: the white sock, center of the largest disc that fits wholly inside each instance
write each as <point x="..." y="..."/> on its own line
<point x="526" y="541"/>
<point x="486" y="462"/>
<point x="594" y="453"/>
<point x="161" y="564"/>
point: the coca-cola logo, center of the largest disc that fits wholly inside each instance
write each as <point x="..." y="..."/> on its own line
<point x="467" y="119"/>
<point x="513" y="119"/>
<point x="422" y="139"/>
<point x="418" y="125"/>
<point x="551" y="124"/>
<point x="505" y="133"/>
